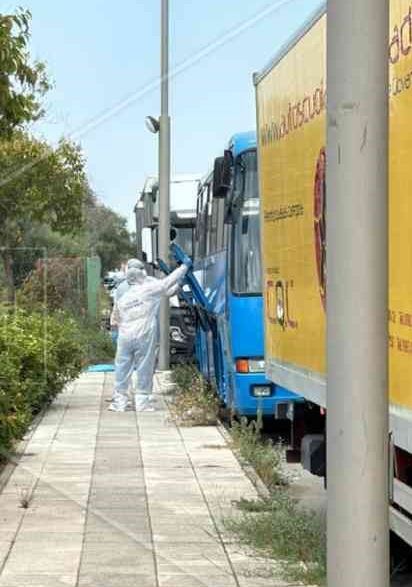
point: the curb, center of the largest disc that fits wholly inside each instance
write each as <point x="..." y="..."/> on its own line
<point x="17" y="452"/>
<point x="262" y="490"/>
<point x="249" y="471"/>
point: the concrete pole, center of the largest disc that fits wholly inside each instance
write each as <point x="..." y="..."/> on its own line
<point x="164" y="182"/>
<point x="357" y="303"/>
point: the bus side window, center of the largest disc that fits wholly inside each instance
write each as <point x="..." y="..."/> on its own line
<point x="220" y="228"/>
<point x="202" y="220"/>
<point x="213" y="226"/>
<point x="226" y="236"/>
<point x="198" y="223"/>
<point x="227" y="244"/>
<point x="209" y="222"/>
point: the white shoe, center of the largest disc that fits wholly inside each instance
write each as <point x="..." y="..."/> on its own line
<point x="146" y="408"/>
<point x="114" y="408"/>
<point x="142" y="404"/>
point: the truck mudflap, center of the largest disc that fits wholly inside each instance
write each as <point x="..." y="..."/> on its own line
<point x="313" y="457"/>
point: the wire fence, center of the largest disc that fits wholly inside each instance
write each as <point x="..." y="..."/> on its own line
<point x="31" y="280"/>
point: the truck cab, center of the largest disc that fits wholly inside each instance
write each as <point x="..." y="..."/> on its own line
<point x="183" y="191"/>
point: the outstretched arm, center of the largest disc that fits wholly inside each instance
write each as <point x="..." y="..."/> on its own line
<point x="173" y="278"/>
<point x="173" y="290"/>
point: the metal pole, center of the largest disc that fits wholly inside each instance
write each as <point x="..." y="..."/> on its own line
<point x="357" y="252"/>
<point x="164" y="182"/>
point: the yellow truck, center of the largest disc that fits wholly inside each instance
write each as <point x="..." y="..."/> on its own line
<point x="291" y="95"/>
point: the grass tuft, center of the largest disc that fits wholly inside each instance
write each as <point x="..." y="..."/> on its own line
<point x="293" y="537"/>
<point x="264" y="456"/>
<point x="195" y="402"/>
<point x="25" y="498"/>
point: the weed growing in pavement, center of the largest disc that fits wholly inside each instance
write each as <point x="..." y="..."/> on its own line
<point x="253" y="506"/>
<point x="277" y="527"/>
<point x="293" y="537"/>
<point x="25" y="498"/>
<point x="264" y="456"/>
<point x="194" y="402"/>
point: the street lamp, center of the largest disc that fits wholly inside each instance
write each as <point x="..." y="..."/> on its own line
<point x="152" y="124"/>
<point x="161" y="126"/>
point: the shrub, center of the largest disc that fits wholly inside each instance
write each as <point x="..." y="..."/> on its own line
<point x="97" y="343"/>
<point x="39" y="354"/>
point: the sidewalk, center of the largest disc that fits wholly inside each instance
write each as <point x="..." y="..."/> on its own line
<point x="119" y="500"/>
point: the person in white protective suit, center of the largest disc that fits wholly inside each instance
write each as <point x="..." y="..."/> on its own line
<point x="118" y="278"/>
<point x="124" y="286"/>
<point x="136" y="314"/>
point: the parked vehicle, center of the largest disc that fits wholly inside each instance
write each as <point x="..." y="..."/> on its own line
<point x="291" y="108"/>
<point x="227" y="268"/>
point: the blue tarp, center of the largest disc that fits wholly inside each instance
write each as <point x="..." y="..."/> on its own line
<point x="100" y="368"/>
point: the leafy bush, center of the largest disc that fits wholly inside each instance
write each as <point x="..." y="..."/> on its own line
<point x="39" y="354"/>
<point x="98" y="345"/>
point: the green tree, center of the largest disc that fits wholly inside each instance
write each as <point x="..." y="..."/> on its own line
<point x="22" y="82"/>
<point x="107" y="235"/>
<point x="38" y="184"/>
<point x="45" y="200"/>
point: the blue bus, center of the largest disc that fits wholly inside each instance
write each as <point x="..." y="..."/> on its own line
<point x="227" y="266"/>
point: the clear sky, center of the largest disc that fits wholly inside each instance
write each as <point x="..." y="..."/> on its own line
<point x="104" y="59"/>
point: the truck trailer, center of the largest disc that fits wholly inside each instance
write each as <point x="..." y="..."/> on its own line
<point x="291" y="94"/>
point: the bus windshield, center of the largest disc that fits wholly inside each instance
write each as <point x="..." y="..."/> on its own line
<point x="246" y="227"/>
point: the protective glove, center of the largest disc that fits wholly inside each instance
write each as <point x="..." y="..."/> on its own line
<point x="186" y="260"/>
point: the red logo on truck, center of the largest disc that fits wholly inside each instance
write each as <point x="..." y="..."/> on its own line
<point x="319" y="213"/>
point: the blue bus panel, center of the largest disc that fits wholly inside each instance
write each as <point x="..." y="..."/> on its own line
<point x="227" y="276"/>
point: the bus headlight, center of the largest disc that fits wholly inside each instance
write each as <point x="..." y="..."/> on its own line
<point x="256" y="365"/>
<point x="262" y="390"/>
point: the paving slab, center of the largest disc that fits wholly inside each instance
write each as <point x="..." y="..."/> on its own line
<point x="193" y="580"/>
<point x="116" y="580"/>
<point x="53" y="557"/>
<point x="121" y="500"/>
<point x="38" y="580"/>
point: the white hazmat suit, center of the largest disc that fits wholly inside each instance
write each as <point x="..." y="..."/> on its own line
<point x="136" y="314"/>
<point x="121" y="288"/>
<point x="124" y="286"/>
